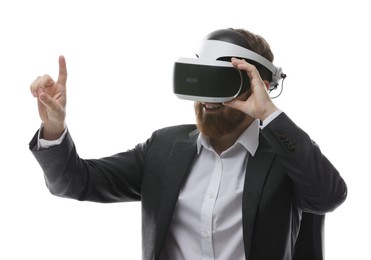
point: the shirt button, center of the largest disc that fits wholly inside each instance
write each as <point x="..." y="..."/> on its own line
<point x="205" y="234"/>
<point x="211" y="196"/>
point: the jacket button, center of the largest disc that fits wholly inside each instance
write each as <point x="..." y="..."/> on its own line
<point x="291" y="147"/>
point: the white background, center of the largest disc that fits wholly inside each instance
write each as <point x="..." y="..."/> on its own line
<point x="120" y="56"/>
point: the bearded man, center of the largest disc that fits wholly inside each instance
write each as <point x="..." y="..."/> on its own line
<point x="244" y="183"/>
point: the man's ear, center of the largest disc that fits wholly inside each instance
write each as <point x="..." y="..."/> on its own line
<point x="267" y="84"/>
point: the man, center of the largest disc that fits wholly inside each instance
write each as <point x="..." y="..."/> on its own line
<point x="237" y="186"/>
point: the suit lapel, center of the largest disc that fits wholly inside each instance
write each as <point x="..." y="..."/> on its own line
<point x="256" y="173"/>
<point x="180" y="160"/>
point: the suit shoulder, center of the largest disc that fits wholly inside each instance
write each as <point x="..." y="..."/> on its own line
<point x="165" y="138"/>
<point x="172" y="133"/>
<point x="177" y="130"/>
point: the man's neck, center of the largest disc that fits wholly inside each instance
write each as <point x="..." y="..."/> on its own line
<point x="224" y="142"/>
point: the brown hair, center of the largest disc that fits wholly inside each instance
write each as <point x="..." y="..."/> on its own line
<point x="259" y="45"/>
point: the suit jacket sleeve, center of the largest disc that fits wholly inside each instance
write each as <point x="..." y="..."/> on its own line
<point x="112" y="179"/>
<point x="318" y="186"/>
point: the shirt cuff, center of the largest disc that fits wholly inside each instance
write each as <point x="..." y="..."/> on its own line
<point x="45" y="144"/>
<point x="270" y="118"/>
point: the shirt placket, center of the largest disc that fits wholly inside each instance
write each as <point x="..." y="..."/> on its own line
<point x="207" y="210"/>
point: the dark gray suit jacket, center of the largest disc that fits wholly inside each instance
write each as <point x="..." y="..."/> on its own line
<point x="287" y="176"/>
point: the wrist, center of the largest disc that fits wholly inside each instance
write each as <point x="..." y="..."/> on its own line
<point x="269" y="111"/>
<point x="52" y="132"/>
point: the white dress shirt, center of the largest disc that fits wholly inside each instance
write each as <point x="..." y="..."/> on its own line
<point x="207" y="221"/>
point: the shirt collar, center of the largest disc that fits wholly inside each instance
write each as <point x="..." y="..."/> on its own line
<point x="248" y="139"/>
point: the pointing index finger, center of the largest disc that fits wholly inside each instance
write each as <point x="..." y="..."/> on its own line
<point x="62" y="77"/>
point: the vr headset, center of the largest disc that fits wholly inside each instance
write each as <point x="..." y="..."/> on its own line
<point x="211" y="77"/>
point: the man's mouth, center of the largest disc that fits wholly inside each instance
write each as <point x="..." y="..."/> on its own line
<point x="210" y="107"/>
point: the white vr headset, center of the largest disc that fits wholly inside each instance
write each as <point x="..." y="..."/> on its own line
<point x="210" y="78"/>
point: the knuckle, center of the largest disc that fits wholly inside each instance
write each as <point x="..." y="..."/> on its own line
<point x="46" y="81"/>
<point x="49" y="82"/>
<point x="35" y="84"/>
<point x="253" y="67"/>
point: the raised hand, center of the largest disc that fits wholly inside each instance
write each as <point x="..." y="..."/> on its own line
<point x="259" y="104"/>
<point x="51" y="99"/>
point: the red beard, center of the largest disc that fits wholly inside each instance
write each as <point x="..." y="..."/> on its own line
<point x="218" y="123"/>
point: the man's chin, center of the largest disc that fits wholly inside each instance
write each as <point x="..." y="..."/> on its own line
<point x="214" y="126"/>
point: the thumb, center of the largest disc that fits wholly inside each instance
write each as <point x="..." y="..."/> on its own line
<point x="48" y="101"/>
